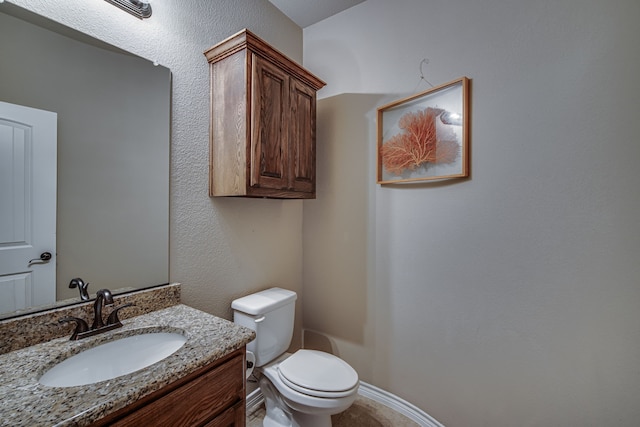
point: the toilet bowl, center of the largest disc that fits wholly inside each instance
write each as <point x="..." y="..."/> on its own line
<point x="302" y="389"/>
<point x="308" y="387"/>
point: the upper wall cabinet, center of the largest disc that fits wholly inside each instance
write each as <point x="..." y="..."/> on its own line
<point x="263" y="121"/>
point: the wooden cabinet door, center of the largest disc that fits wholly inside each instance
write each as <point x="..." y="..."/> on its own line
<point x="269" y="125"/>
<point x="232" y="417"/>
<point x="302" y="145"/>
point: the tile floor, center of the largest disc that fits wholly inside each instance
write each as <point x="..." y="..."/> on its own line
<point x="363" y="413"/>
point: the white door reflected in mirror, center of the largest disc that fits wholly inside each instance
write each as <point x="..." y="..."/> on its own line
<point x="28" y="145"/>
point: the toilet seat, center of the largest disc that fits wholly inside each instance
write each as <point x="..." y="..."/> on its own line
<point x="318" y="374"/>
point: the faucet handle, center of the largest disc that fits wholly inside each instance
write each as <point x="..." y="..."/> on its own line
<point x="81" y="326"/>
<point x="113" y="317"/>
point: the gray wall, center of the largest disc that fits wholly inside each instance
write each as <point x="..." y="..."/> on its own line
<point x="510" y="298"/>
<point x="219" y="248"/>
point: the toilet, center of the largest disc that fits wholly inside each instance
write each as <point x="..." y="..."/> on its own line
<point x="302" y="389"/>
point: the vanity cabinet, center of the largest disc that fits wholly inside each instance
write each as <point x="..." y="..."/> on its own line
<point x="263" y="121"/>
<point x="213" y="396"/>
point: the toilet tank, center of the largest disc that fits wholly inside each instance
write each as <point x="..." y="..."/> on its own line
<point x="270" y="313"/>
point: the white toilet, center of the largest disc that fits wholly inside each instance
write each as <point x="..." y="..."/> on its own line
<point x="302" y="389"/>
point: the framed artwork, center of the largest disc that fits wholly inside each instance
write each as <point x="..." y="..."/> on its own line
<point x="425" y="136"/>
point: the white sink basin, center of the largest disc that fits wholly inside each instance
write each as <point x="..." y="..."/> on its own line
<point x="113" y="359"/>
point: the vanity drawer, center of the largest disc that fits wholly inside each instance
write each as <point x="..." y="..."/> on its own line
<point x="218" y="391"/>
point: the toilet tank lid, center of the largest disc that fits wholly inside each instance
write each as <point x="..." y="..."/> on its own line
<point x="264" y="301"/>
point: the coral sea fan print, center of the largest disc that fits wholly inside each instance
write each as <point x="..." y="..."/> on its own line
<point x="424" y="139"/>
<point x="425" y="136"/>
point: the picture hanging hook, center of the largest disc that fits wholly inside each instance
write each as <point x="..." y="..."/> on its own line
<point x="425" y="61"/>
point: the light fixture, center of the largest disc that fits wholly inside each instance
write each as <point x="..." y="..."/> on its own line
<point x="138" y="8"/>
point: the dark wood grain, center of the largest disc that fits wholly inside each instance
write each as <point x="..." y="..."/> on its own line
<point x="263" y="120"/>
<point x="215" y="391"/>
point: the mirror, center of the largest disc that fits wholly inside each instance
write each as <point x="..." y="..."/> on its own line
<point x="113" y="132"/>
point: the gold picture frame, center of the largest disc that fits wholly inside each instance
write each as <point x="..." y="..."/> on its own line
<point x="425" y="137"/>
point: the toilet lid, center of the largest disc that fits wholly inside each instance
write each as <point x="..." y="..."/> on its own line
<point x="312" y="370"/>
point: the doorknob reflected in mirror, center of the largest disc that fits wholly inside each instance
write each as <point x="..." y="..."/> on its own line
<point x="45" y="257"/>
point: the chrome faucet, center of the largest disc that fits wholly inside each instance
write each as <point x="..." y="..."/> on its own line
<point x="103" y="297"/>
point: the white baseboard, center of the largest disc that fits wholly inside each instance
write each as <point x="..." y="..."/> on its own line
<point x="255" y="399"/>
<point x="397" y="404"/>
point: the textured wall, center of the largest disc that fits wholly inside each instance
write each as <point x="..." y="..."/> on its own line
<point x="219" y="248"/>
<point x="510" y="298"/>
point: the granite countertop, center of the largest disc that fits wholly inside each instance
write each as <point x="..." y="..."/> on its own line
<point x="26" y="402"/>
